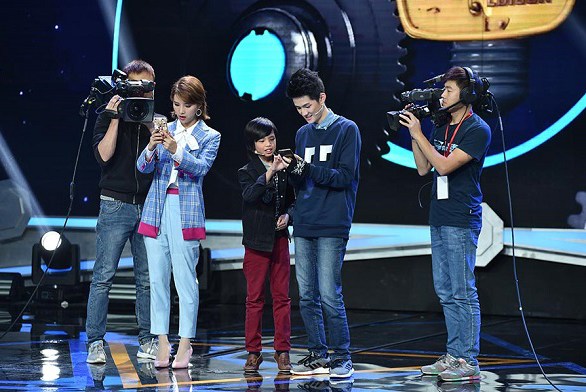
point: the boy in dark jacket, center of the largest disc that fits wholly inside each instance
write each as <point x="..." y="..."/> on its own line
<point x="267" y="202"/>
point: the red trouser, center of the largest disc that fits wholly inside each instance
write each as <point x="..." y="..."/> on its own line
<point x="257" y="265"/>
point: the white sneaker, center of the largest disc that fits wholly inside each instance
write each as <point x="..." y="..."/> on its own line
<point x="148" y="349"/>
<point x="461" y="371"/>
<point x="96" y="353"/>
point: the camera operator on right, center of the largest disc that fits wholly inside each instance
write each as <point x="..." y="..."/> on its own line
<point x="456" y="151"/>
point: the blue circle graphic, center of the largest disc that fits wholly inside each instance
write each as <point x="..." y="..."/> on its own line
<point x="257" y="64"/>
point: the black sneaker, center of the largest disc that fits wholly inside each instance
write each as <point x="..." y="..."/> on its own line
<point x="312" y="364"/>
<point x="315" y="385"/>
<point x="341" y="368"/>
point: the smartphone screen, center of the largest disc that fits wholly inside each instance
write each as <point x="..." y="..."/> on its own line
<point x="160" y="123"/>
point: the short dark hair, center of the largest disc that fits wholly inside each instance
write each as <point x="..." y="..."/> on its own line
<point x="190" y="89"/>
<point x="305" y="82"/>
<point x="457" y="74"/>
<point x="256" y="129"/>
<point x="139" y="66"/>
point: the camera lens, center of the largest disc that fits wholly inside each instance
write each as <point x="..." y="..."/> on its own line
<point x="137" y="110"/>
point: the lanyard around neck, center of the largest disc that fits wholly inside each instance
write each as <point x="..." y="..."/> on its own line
<point x="449" y="146"/>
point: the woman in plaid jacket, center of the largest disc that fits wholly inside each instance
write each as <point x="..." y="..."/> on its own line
<point x="173" y="219"/>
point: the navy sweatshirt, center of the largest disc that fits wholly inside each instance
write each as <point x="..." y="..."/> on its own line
<point x="326" y="195"/>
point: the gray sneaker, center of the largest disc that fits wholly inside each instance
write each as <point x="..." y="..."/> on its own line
<point x="444" y="362"/>
<point x="312" y="364"/>
<point x="96" y="353"/>
<point x="461" y="371"/>
<point x="341" y="384"/>
<point x="459" y="386"/>
<point x="146" y="370"/>
<point x="98" y="372"/>
<point x="148" y="349"/>
<point x="341" y="368"/>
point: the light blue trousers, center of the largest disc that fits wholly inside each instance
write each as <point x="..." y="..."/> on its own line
<point x="169" y="251"/>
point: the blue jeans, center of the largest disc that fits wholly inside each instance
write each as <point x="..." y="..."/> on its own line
<point x="453" y="255"/>
<point x="318" y="266"/>
<point x="117" y="223"/>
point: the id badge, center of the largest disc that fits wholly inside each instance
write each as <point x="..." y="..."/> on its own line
<point x="442" y="187"/>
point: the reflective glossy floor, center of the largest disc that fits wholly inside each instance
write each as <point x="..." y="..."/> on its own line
<point x="47" y="352"/>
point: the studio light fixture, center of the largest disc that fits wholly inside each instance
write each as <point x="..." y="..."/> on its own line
<point x="57" y="258"/>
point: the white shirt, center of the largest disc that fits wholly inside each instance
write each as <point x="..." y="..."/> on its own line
<point x="183" y="137"/>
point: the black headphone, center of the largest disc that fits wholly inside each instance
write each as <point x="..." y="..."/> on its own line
<point x="470" y="94"/>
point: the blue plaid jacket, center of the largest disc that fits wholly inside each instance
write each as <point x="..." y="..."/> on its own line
<point x="194" y="166"/>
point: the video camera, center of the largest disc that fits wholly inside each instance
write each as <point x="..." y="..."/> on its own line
<point x="133" y="107"/>
<point x="430" y="109"/>
<point x="428" y="94"/>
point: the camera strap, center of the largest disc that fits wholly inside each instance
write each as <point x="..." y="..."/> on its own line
<point x="449" y="146"/>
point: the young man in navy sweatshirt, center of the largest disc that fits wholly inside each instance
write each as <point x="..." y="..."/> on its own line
<point x="325" y="171"/>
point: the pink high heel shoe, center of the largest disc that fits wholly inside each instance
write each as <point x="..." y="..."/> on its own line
<point x="163" y="364"/>
<point x="184" y="363"/>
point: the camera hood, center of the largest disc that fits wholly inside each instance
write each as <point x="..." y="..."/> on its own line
<point x="137" y="109"/>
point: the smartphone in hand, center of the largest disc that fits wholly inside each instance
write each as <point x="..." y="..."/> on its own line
<point x="286" y="152"/>
<point x="160" y="123"/>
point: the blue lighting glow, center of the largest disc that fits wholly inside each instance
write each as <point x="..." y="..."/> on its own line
<point x="56" y="271"/>
<point x="116" y="37"/>
<point x="257" y="64"/>
<point x="402" y="156"/>
<point x="72" y="223"/>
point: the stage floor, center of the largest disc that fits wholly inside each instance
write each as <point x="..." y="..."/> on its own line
<point x="47" y="352"/>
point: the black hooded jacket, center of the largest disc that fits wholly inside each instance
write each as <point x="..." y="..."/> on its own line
<point x="259" y="205"/>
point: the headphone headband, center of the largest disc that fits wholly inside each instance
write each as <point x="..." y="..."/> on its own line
<point x="469" y="94"/>
<point x="470" y="74"/>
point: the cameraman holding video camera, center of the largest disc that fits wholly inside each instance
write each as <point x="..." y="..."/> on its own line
<point x="456" y="151"/>
<point x="117" y="144"/>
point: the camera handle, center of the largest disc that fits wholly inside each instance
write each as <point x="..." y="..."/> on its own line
<point x="84" y="110"/>
<point x="88" y="102"/>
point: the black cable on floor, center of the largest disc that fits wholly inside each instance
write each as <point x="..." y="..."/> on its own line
<point x="71" y="194"/>
<point x="418" y="338"/>
<point x="518" y="290"/>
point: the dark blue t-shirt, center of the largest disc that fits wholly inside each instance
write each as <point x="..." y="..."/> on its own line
<point x="462" y="207"/>
<point x="326" y="196"/>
